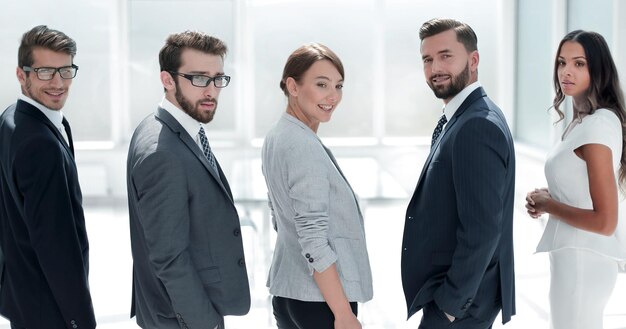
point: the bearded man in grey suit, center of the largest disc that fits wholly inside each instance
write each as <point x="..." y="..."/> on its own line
<point x="188" y="261"/>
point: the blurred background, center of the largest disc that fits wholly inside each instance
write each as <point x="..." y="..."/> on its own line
<point x="380" y="132"/>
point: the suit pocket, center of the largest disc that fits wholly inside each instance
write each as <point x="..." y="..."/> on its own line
<point x="210" y="275"/>
<point x="350" y="254"/>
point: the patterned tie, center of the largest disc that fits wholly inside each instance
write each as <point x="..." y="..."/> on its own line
<point x="442" y="121"/>
<point x="206" y="149"/>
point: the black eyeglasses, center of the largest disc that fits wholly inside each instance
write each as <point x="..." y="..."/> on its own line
<point x="200" y="80"/>
<point x="47" y="73"/>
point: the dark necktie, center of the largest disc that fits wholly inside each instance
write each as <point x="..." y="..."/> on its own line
<point x="68" y="131"/>
<point x="206" y="149"/>
<point x="442" y="121"/>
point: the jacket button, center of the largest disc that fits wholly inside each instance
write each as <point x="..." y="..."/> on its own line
<point x="410" y="217"/>
<point x="311" y="260"/>
<point x="307" y="255"/>
<point x="236" y="232"/>
<point x="241" y="262"/>
<point x="73" y="322"/>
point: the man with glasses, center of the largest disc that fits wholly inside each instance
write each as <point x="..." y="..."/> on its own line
<point x="188" y="260"/>
<point x="42" y="225"/>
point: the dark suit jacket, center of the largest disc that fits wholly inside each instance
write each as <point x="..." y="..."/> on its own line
<point x="42" y="226"/>
<point x="458" y="237"/>
<point x="188" y="259"/>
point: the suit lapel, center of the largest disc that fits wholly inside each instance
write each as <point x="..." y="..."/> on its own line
<point x="31" y="111"/>
<point x="332" y="158"/>
<point x="471" y="98"/>
<point x="169" y="120"/>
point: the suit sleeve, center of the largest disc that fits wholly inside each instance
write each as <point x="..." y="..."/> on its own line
<point x="309" y="191"/>
<point x="160" y="183"/>
<point x="41" y="175"/>
<point x="479" y="167"/>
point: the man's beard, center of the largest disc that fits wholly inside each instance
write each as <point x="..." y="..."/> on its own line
<point x="458" y="83"/>
<point x="193" y="110"/>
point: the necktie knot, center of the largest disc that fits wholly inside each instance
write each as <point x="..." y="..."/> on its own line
<point x="442" y="121"/>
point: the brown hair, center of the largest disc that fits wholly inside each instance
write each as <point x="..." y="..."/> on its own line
<point x="604" y="87"/>
<point x="303" y="58"/>
<point x="169" y="56"/>
<point x="464" y="33"/>
<point x="43" y="37"/>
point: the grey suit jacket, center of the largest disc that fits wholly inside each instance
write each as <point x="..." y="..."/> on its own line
<point x="316" y="214"/>
<point x="188" y="260"/>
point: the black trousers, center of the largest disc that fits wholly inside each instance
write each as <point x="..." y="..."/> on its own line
<point x="434" y="318"/>
<point x="296" y="314"/>
<point x="16" y="327"/>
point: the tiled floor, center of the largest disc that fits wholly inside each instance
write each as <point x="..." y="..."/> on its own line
<point x="111" y="266"/>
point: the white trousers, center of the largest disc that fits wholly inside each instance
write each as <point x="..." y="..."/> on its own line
<point x="581" y="283"/>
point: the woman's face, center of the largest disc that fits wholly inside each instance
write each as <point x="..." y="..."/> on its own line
<point x="572" y="70"/>
<point x="318" y="93"/>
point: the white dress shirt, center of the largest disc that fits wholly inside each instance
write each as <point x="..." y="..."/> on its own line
<point x="55" y="116"/>
<point x="456" y="101"/>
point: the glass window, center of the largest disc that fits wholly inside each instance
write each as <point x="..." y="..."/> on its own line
<point x="535" y="63"/>
<point x="343" y="26"/>
<point x="592" y="16"/>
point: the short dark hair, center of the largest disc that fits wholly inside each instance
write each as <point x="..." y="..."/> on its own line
<point x="464" y="33"/>
<point x="42" y="37"/>
<point x="303" y="58"/>
<point x="169" y="56"/>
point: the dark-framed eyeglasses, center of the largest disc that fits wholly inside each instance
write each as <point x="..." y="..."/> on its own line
<point x="47" y="73"/>
<point x="200" y="80"/>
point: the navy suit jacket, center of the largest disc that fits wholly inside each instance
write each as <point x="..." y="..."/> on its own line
<point x="42" y="226"/>
<point x="457" y="248"/>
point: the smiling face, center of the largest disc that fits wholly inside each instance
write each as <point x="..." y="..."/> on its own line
<point x="52" y="93"/>
<point x="199" y="102"/>
<point x="573" y="71"/>
<point x="448" y="67"/>
<point x="314" y="98"/>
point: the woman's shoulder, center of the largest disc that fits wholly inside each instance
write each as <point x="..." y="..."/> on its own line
<point x="603" y="114"/>
<point x="603" y="120"/>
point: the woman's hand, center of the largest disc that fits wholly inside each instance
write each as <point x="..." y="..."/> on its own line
<point x="537" y="201"/>
<point x="349" y="321"/>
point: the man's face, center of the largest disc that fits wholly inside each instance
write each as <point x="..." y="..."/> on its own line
<point x="199" y="102"/>
<point x="52" y="93"/>
<point x="448" y="67"/>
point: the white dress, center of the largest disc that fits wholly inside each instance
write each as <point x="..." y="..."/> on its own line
<point x="583" y="264"/>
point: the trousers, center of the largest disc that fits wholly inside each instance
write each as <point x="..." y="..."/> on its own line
<point x="297" y="314"/>
<point x="581" y="283"/>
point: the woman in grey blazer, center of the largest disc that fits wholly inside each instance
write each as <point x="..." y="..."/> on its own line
<point x="320" y="268"/>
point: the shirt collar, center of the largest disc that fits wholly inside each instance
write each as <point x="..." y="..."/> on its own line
<point x="456" y="101"/>
<point x="56" y="117"/>
<point x="191" y="125"/>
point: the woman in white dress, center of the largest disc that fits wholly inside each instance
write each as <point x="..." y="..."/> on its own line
<point x="584" y="171"/>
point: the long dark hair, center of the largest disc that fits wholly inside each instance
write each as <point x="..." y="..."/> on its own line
<point x="604" y="88"/>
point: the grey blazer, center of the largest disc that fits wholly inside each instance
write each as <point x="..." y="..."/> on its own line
<point x="188" y="261"/>
<point x="316" y="215"/>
